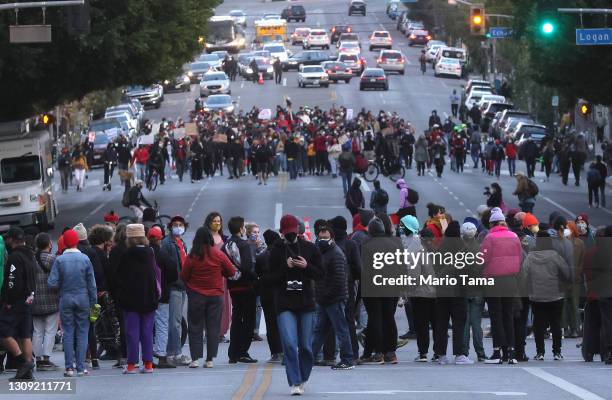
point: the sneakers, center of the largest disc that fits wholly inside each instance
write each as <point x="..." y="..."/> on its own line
<point x="408" y="335"/>
<point x="481" y="357"/>
<point x="123" y="362"/>
<point x="181" y="359"/>
<point x="539" y="357"/>
<point x="376" y="359"/>
<point x="194" y="364"/>
<point x="147" y="368"/>
<point x="495" y="358"/>
<point x="276" y="358"/>
<point x="390" y="358"/>
<point x="342" y="366"/>
<point x="163" y="363"/>
<point x="511" y="357"/>
<point x="69" y="373"/>
<point x="25" y="371"/>
<point x="296" y="391"/>
<point x="95" y="364"/>
<point x="557" y="357"/>
<point x="522" y="357"/>
<point x="421" y="358"/>
<point x="443" y="360"/>
<point x="247" y="359"/>
<point x="402" y="342"/>
<point x="209" y="364"/>
<point x="45" y="365"/>
<point x="83" y="373"/>
<point x="463" y="360"/>
<point x="130" y="369"/>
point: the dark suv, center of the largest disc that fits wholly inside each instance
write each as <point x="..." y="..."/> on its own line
<point x="338" y="30"/>
<point x="357" y="7"/>
<point x="296" y="13"/>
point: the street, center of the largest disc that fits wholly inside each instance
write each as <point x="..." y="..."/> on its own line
<point x="413" y="96"/>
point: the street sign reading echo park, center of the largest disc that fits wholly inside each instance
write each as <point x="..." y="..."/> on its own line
<point x="594" y="37"/>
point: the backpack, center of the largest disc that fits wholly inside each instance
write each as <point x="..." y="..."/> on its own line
<point x="230" y="248"/>
<point x="125" y="200"/>
<point x="532" y="188"/>
<point x="412" y="196"/>
<point x="382" y="197"/>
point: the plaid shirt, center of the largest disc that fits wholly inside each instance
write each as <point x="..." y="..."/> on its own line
<point x="46" y="299"/>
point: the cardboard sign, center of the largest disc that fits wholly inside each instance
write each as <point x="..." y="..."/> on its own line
<point x="219" y="138"/>
<point x="155" y="128"/>
<point x="387" y="131"/>
<point x="91" y="137"/>
<point x="265" y="114"/>
<point x="349" y="114"/>
<point x="146" y="140"/>
<point x="179" y="133"/>
<point x="191" y="129"/>
<point x="305" y="118"/>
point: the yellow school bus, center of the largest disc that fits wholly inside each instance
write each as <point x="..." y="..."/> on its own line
<point x="265" y="30"/>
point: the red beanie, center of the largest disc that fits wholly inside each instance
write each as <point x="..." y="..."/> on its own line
<point x="71" y="239"/>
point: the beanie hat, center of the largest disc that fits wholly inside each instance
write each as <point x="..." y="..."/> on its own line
<point x="529" y="220"/>
<point x="583" y="217"/>
<point x="453" y="229"/>
<point x="519" y="217"/>
<point x="338" y="223"/>
<point x="71" y="238"/>
<point x="270" y="237"/>
<point x="553" y="216"/>
<point x="155" y="233"/>
<point x="410" y="223"/>
<point x="81" y="231"/>
<point x="496" y="215"/>
<point x="433" y="209"/>
<point x="366" y="216"/>
<point x="468" y="230"/>
<point x="111" y="217"/>
<point x="474" y="221"/>
<point x="289" y="224"/>
<point x="135" y="231"/>
<point x="481" y="209"/>
<point x="559" y="222"/>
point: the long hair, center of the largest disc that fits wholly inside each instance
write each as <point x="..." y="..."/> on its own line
<point x="202" y="242"/>
<point x="120" y="234"/>
<point x="209" y="219"/>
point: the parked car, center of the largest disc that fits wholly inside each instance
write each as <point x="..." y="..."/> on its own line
<point x="490" y="98"/>
<point x="181" y="83"/>
<point x="214" y="82"/>
<point x="380" y="39"/>
<point x="338" y="30"/>
<point x="477" y="82"/>
<point x="196" y="70"/>
<point x="448" y="66"/>
<point x="373" y="78"/>
<point x="149" y="96"/>
<point x="316" y="38"/>
<point x="391" y="60"/>
<point x="474" y="97"/>
<point x="239" y="17"/>
<point x="313" y="75"/>
<point x="244" y="59"/>
<point x="355" y="62"/>
<point x="534" y="131"/>
<point x="452" y="52"/>
<point x="295" y="13"/>
<point x="298" y="35"/>
<point x="337" y="71"/>
<point x="418" y="37"/>
<point x="357" y="7"/>
<point x="489" y="111"/>
<point x="278" y="51"/>
<point x="218" y="102"/>
<point x="310" y="57"/>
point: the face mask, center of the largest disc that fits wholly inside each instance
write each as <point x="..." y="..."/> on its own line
<point x="178" y="230"/>
<point x="291" y="237"/>
<point x="215" y="226"/>
<point x="567" y="233"/>
<point x="534" y="229"/>
<point x="253" y="237"/>
<point x="582" y="228"/>
<point x="323" y="243"/>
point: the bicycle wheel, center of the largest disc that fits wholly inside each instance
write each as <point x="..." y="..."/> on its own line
<point x="164" y="220"/>
<point x="397" y="173"/>
<point x="371" y="173"/>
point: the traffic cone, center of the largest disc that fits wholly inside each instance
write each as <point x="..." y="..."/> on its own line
<point x="260" y="81"/>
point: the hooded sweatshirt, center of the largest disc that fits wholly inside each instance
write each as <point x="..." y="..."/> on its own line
<point x="403" y="194"/>
<point x="548" y="274"/>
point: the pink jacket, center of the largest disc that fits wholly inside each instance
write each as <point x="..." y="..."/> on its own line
<point x="502" y="252"/>
<point x="401" y="184"/>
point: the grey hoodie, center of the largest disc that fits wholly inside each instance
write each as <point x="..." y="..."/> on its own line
<point x="563" y="246"/>
<point x="413" y="245"/>
<point x="547" y="275"/>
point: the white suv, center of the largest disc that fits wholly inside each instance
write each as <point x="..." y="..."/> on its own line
<point x="317" y="38"/>
<point x="381" y="39"/>
<point x="312" y="75"/>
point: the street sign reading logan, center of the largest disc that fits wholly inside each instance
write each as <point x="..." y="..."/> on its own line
<point x="594" y="37"/>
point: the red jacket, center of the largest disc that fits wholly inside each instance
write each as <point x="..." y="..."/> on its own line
<point x="320" y="144"/>
<point x="510" y="150"/>
<point x="205" y="276"/>
<point x="141" y="155"/>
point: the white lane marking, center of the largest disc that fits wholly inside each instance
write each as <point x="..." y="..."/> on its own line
<point x="284" y="81"/>
<point x="392" y="392"/>
<point x="364" y="184"/>
<point x="562" y="384"/>
<point x="195" y="200"/>
<point x="559" y="206"/>
<point x="95" y="210"/>
<point x="241" y="84"/>
<point x="382" y="98"/>
<point x="605" y="210"/>
<point x="278" y="213"/>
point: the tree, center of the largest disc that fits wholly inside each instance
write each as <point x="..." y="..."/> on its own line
<point x="555" y="59"/>
<point x="131" y="42"/>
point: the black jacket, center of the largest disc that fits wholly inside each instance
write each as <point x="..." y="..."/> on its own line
<point x="294" y="300"/>
<point x="291" y="149"/>
<point x="136" y="280"/>
<point x="333" y="287"/>
<point x="100" y="270"/>
<point x="351" y="251"/>
<point x="169" y="274"/>
<point x="98" y="265"/>
<point x="19" y="276"/>
<point x="246" y="266"/>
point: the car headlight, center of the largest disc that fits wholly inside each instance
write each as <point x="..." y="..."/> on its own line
<point x="190" y="74"/>
<point x="270" y="69"/>
<point x="292" y="62"/>
<point x="206" y="109"/>
<point x="249" y="70"/>
<point x="229" y="108"/>
<point x="49" y="172"/>
<point x="166" y="82"/>
<point x="186" y="79"/>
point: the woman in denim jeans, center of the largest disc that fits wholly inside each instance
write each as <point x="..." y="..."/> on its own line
<point x="72" y="273"/>
<point x="294" y="266"/>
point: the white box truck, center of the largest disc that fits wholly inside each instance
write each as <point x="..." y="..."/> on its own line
<point x="26" y="177"/>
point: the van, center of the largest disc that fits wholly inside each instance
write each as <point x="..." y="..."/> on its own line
<point x="452" y="52"/>
<point x="26" y="176"/>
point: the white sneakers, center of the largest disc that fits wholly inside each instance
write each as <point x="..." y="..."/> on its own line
<point x="209" y="364"/>
<point x="297" y="390"/>
<point x="194" y="364"/>
<point x="463" y="360"/>
<point x="181" y="359"/>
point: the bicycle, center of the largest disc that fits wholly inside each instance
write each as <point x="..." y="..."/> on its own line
<point x="153" y="181"/>
<point x="161" y="219"/>
<point x="394" y="171"/>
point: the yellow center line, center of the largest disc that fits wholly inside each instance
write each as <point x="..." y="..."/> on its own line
<point x="265" y="383"/>
<point x="247" y="382"/>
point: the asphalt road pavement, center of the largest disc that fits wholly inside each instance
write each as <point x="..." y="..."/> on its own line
<point x="413" y="96"/>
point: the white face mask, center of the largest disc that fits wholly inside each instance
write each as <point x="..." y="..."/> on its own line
<point x="567" y="233"/>
<point x="582" y="228"/>
<point x="443" y="224"/>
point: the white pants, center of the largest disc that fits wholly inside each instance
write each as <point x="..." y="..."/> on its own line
<point x="137" y="212"/>
<point x="43" y="338"/>
<point x="79" y="175"/>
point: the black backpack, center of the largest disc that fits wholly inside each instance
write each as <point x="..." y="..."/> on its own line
<point x="125" y="200"/>
<point x="532" y="188"/>
<point x="412" y="196"/>
<point x="382" y="197"/>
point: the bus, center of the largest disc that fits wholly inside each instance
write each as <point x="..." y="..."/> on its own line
<point x="224" y="34"/>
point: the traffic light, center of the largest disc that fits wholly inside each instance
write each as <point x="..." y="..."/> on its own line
<point x="477" y="20"/>
<point x="47" y="119"/>
<point x="547" y="27"/>
<point x="585" y="108"/>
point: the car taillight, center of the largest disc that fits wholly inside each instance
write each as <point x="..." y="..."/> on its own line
<point x="380" y="78"/>
<point x="380" y="60"/>
<point x="413" y="36"/>
<point x="334" y="29"/>
<point x="329" y="71"/>
<point x="401" y="60"/>
<point x="390" y="39"/>
<point x="428" y="37"/>
<point x="350" y="29"/>
<point x="349" y="70"/>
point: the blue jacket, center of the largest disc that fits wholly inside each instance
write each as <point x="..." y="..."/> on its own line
<point x="72" y="273"/>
